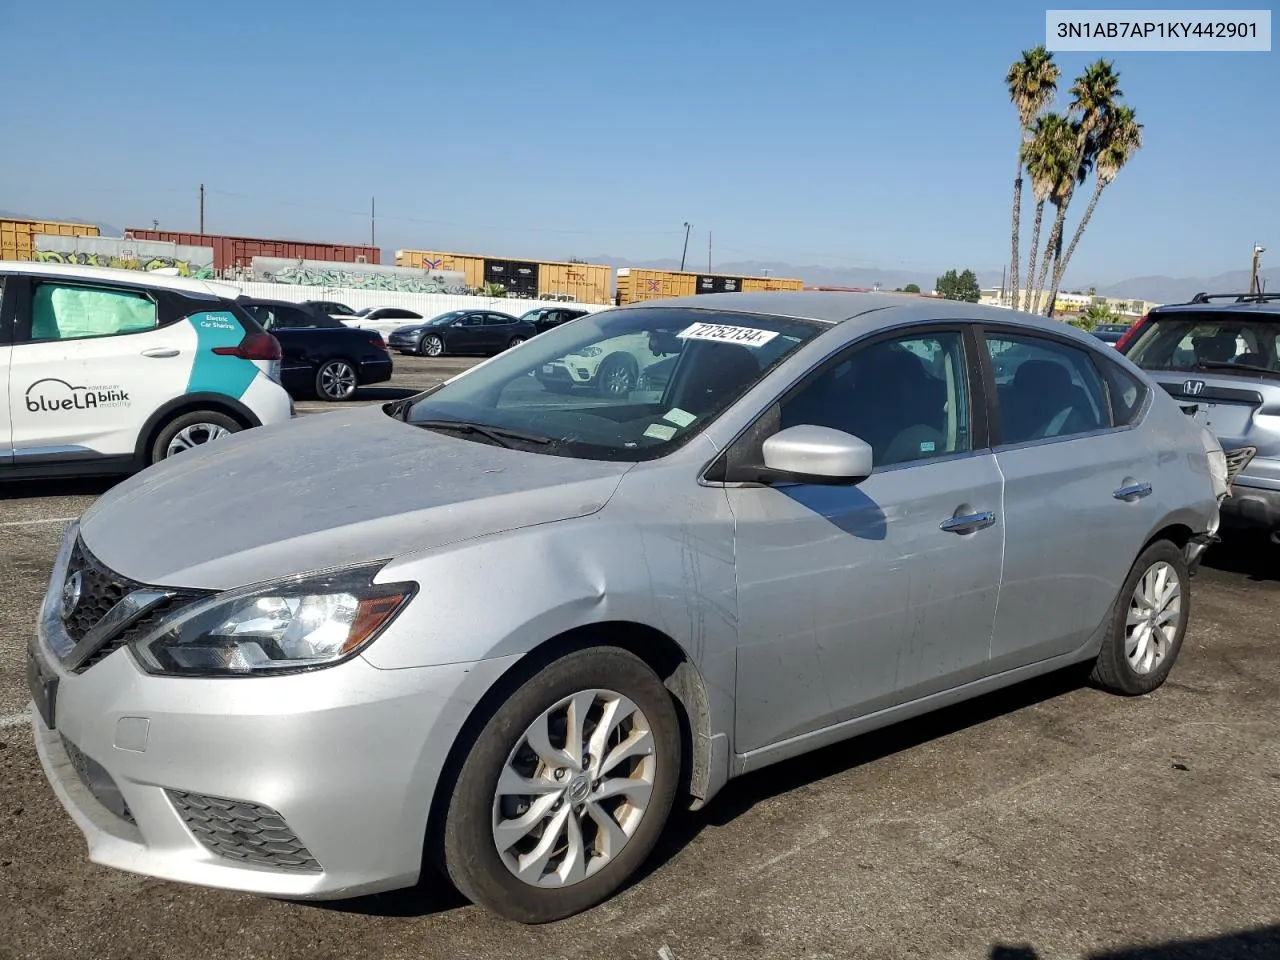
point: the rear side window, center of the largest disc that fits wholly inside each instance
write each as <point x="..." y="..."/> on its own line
<point x="497" y="320"/>
<point x="1125" y="391"/>
<point x="71" y="312"/>
<point x="1045" y="389"/>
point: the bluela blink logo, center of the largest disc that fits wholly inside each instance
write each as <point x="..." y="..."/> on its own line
<point x="52" y="396"/>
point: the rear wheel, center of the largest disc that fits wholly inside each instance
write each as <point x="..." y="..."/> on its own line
<point x="336" y="380"/>
<point x="431" y="346"/>
<point x="189" y="431"/>
<point x="1148" y="625"/>
<point x="515" y="342"/>
<point x="565" y="789"/>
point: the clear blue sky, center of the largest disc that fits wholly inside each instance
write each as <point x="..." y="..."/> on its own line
<point x="811" y="132"/>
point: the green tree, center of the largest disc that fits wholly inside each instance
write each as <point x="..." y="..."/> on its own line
<point x="1032" y="83"/>
<point x="1094" y="94"/>
<point x="1118" y="139"/>
<point x="1046" y="156"/>
<point x="493" y="290"/>
<point x="1060" y="196"/>
<point x="911" y="288"/>
<point x="959" y="287"/>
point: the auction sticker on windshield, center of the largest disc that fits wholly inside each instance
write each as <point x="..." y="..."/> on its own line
<point x="723" y="333"/>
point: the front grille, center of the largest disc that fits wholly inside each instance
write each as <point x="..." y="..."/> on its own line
<point x="100" y="590"/>
<point x="247" y="832"/>
<point x="98" y="782"/>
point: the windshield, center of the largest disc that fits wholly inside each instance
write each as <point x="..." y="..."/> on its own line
<point x="445" y="318"/>
<point x="625" y="385"/>
<point x="1227" y="342"/>
<point x="365" y="312"/>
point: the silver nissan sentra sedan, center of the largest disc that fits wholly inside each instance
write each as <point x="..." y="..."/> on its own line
<point x="504" y="625"/>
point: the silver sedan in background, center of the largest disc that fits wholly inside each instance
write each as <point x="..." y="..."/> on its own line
<point x="505" y="628"/>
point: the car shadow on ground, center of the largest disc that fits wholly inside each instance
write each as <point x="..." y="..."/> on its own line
<point x="1242" y="945"/>
<point x="1251" y="555"/>
<point x="434" y="894"/>
<point x="63" y="487"/>
<point x="383" y="394"/>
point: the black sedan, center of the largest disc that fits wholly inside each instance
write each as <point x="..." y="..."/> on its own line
<point x="547" y="318"/>
<point x="462" y="331"/>
<point x="322" y="357"/>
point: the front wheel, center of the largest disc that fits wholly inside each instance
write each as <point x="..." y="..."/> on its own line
<point x="617" y="377"/>
<point x="189" y="431"/>
<point x="565" y="789"/>
<point x="1148" y="625"/>
<point x="431" y="346"/>
<point x="336" y="380"/>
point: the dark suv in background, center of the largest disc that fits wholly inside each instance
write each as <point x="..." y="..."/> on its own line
<point x="548" y="318"/>
<point x="1219" y="356"/>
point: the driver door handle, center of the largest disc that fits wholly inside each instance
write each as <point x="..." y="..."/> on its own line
<point x="968" y="522"/>
<point x="1132" y="492"/>
<point x="161" y="353"/>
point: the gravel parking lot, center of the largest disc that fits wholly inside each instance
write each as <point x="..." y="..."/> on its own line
<point x="1049" y="821"/>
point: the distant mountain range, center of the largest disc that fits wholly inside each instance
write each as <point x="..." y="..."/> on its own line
<point x="1160" y="289"/>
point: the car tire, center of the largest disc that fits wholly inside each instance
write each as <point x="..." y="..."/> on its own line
<point x="336" y="380"/>
<point x="1148" y="623"/>
<point x="431" y="346"/>
<point x="515" y="342"/>
<point x="617" y="376"/>
<point x="190" y="430"/>
<point x="598" y="676"/>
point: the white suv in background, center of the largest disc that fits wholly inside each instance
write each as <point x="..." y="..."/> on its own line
<point x="106" y="371"/>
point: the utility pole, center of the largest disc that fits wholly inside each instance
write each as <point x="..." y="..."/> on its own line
<point x="373" y="223"/>
<point x="708" y="251"/>
<point x="686" y="245"/>
<point x="202" y="210"/>
<point x="1258" y="251"/>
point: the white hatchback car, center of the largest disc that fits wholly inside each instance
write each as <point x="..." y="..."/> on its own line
<point x="106" y="371"/>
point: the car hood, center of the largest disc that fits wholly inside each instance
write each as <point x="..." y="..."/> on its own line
<point x="328" y="490"/>
<point x="409" y="328"/>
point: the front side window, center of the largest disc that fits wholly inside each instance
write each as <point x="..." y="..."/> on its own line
<point x="907" y="397"/>
<point x="1187" y="341"/>
<point x="71" y="312"/>
<point x="1045" y="389"/>
<point x="624" y="385"/>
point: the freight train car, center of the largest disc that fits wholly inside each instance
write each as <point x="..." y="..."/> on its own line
<point x="18" y="237"/>
<point x="529" y="279"/>
<point x="635" y="285"/>
<point x="230" y="253"/>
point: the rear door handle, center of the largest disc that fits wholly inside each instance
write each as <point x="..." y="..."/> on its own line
<point x="1133" y="491"/>
<point x="160" y="353"/>
<point x="968" y="522"/>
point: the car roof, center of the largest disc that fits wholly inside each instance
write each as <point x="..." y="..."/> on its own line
<point x="1269" y="309"/>
<point x="870" y="309"/>
<point x="137" y="278"/>
<point x="275" y="303"/>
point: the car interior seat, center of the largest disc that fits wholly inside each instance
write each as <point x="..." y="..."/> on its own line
<point x="719" y="372"/>
<point x="1045" y="402"/>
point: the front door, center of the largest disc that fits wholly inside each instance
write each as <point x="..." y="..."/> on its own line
<point x="856" y="598"/>
<point x="1080" y="492"/>
<point x="467" y="335"/>
<point x="88" y="366"/>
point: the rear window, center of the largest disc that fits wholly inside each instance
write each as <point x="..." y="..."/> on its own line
<point x="1223" y="342"/>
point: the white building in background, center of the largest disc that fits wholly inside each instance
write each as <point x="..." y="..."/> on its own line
<point x="1072" y="302"/>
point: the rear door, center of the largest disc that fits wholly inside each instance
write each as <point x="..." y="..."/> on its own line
<point x="1081" y="489"/>
<point x="90" y="363"/>
<point x="498" y="330"/>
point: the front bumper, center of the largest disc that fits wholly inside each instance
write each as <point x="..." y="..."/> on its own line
<point x="336" y="767"/>
<point x="404" y="342"/>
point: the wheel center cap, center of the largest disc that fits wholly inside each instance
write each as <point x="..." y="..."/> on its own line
<point x="579" y="787"/>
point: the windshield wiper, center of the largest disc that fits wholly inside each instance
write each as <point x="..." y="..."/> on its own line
<point x="1227" y="365"/>
<point x="499" y="435"/>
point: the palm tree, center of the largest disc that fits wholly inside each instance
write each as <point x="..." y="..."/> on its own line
<point x="1064" y="176"/>
<point x="1119" y="138"/>
<point x="1093" y="94"/>
<point x="1045" y="157"/>
<point x="1032" y="83"/>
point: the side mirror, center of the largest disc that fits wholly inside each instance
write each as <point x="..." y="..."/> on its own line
<point x="812" y="454"/>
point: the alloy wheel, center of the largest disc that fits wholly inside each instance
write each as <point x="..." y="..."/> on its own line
<point x="338" y="380"/>
<point x="432" y="346"/>
<point x="575" y="789"/>
<point x="1151" y="625"/>
<point x="194" y="436"/>
<point x="617" y="380"/>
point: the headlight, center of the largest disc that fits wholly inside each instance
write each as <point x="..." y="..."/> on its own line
<point x="589" y="352"/>
<point x="286" y="625"/>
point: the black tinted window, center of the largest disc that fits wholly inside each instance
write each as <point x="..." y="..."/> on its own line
<point x="908" y="398"/>
<point x="1046" y="389"/>
<point x="497" y="320"/>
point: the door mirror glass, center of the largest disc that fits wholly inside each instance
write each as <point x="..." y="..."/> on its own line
<point x="813" y="454"/>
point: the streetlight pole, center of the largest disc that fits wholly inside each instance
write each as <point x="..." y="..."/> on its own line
<point x="685" y="251"/>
